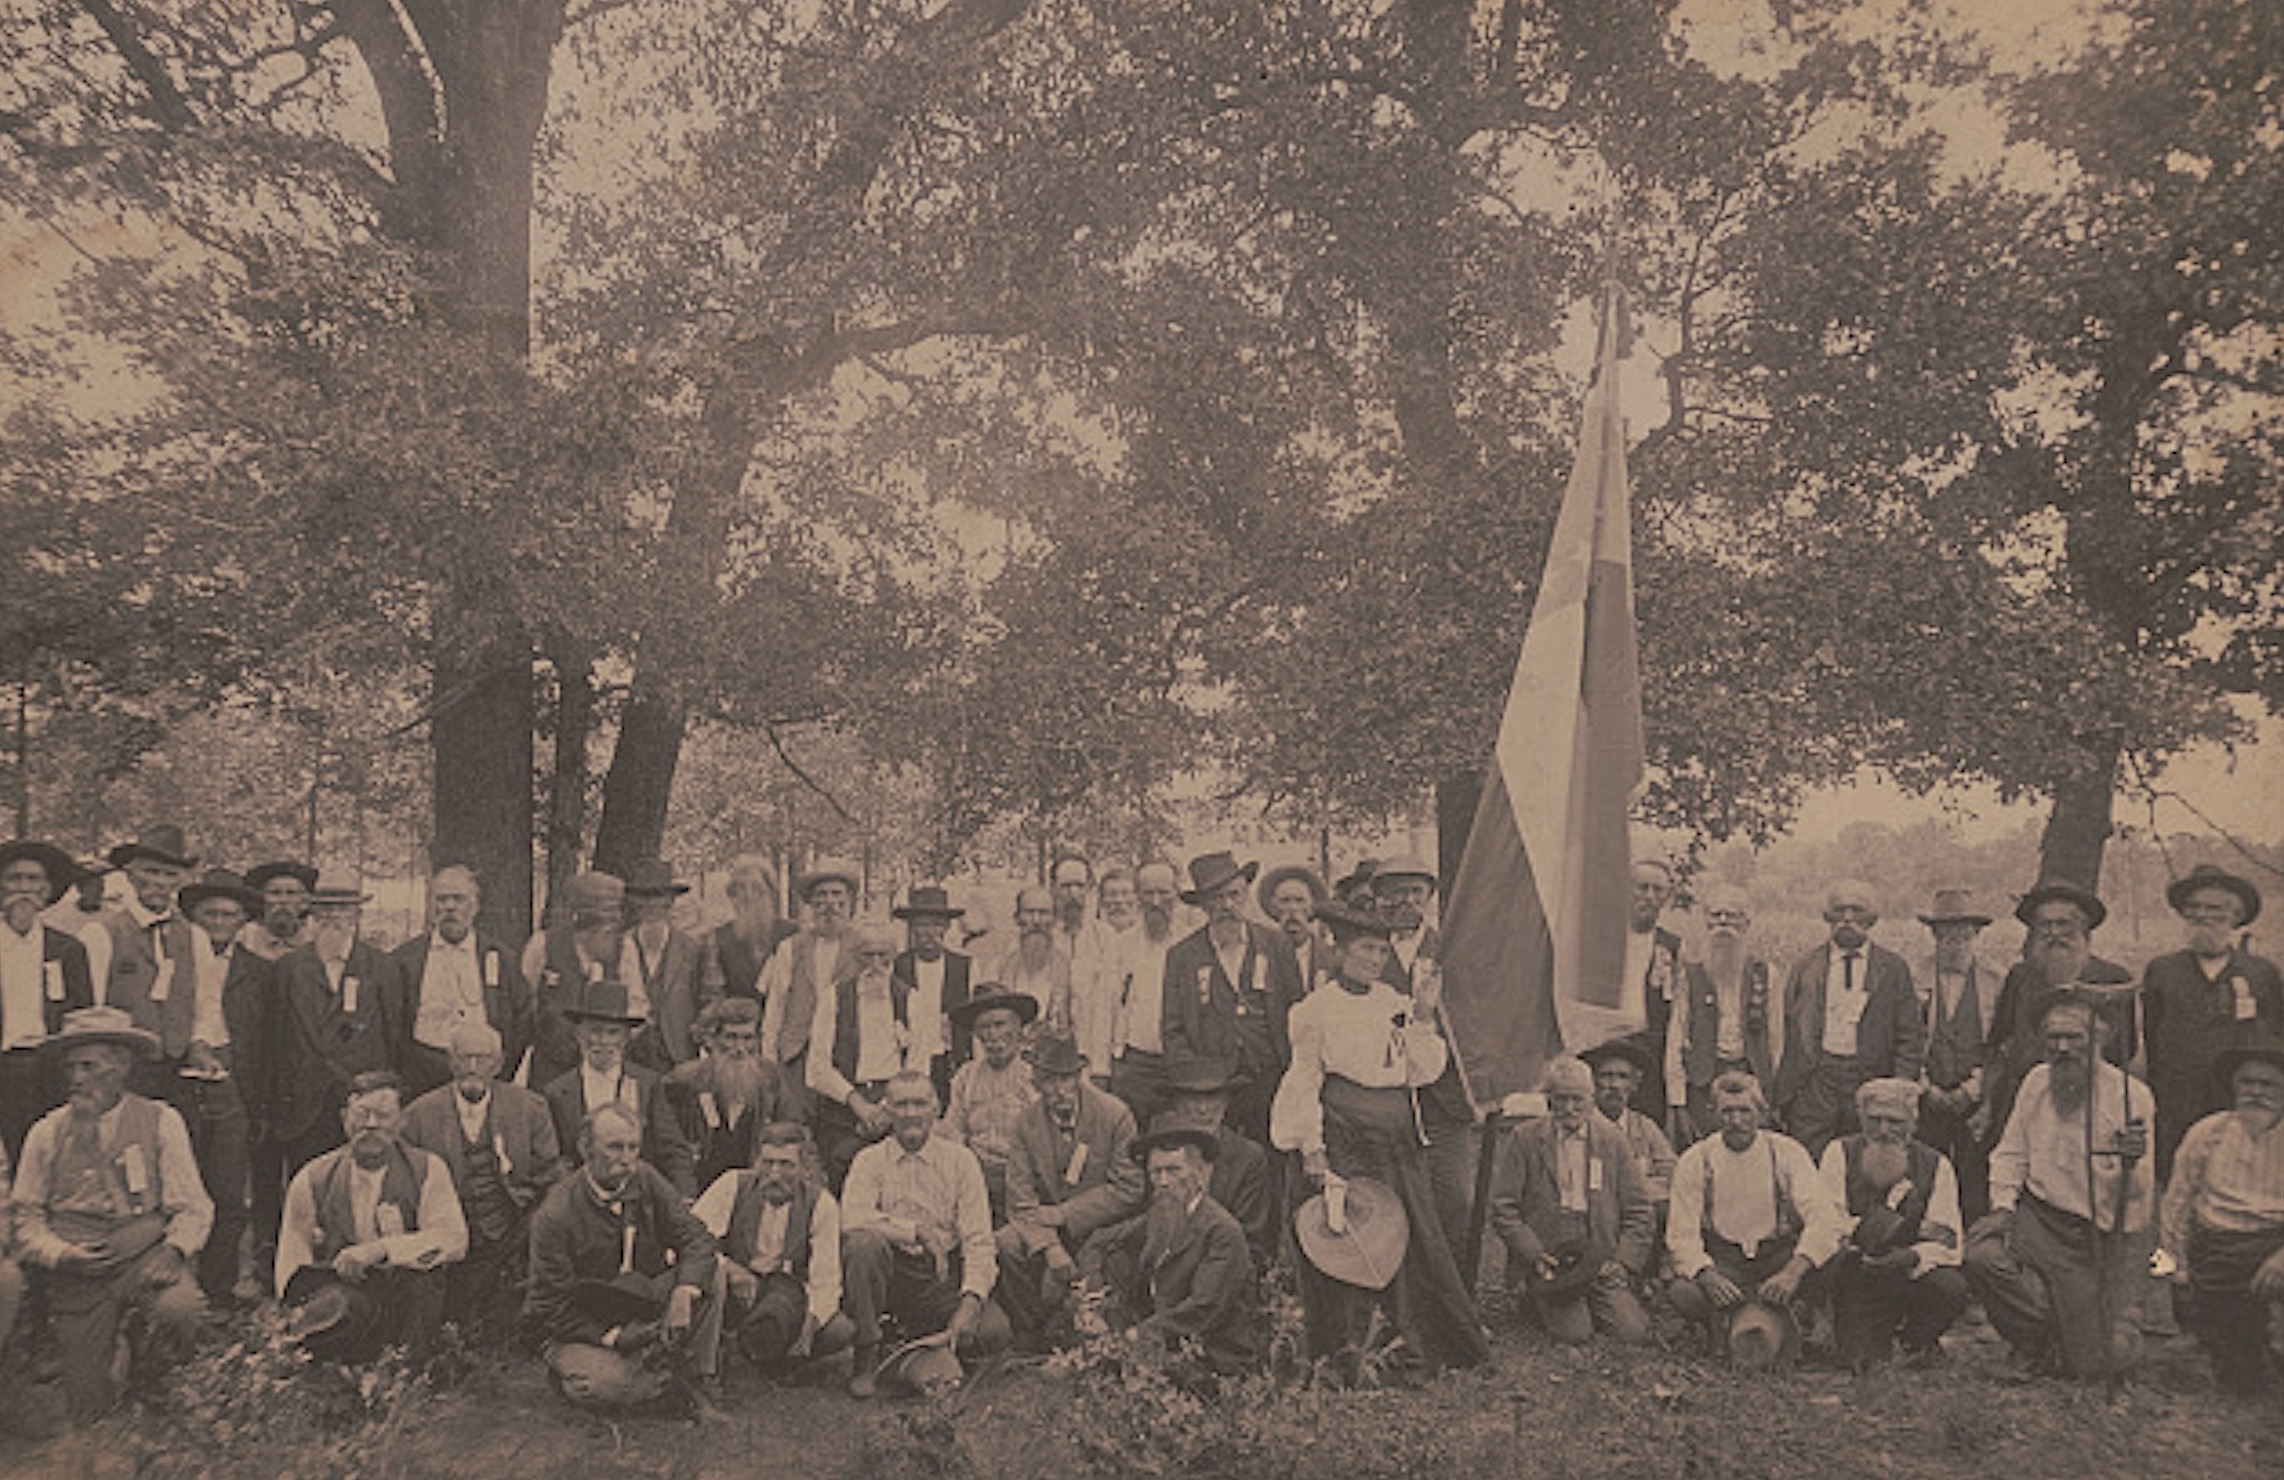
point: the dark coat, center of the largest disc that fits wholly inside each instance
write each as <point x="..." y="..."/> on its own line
<point x="1197" y="1286"/>
<point x="321" y="1045"/>
<point x="2189" y="1018"/>
<point x="1890" y="1036"/>
<point x="716" y="1145"/>
<point x="522" y="1125"/>
<point x="1208" y="1016"/>
<point x="681" y="981"/>
<point x="507" y="1006"/>
<point x="1526" y="1195"/>
<point x="1109" y="1185"/>
<point x="575" y="1238"/>
<point x="663" y="1145"/>
<point x="959" y="974"/>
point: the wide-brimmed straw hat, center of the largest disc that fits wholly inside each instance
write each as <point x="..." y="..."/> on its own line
<point x="1369" y="1247"/>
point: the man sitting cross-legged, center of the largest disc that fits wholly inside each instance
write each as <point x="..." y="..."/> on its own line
<point x="779" y="1237"/>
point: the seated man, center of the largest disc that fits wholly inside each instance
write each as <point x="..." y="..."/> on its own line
<point x="621" y="1275"/>
<point x="991" y="1091"/>
<point x="604" y="1020"/>
<point x="2223" y="1218"/>
<point x="778" y="1233"/>
<point x="2073" y="1199"/>
<point x="916" y="1238"/>
<point x="1750" y="1219"/>
<point x="722" y="1098"/>
<point x="1182" y="1271"/>
<point x="1898" y="1272"/>
<point x="1571" y="1205"/>
<point x="109" y="1210"/>
<point x="498" y="1141"/>
<point x="1068" y="1174"/>
<point x="368" y="1229"/>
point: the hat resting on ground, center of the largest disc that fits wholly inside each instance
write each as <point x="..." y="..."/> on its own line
<point x="61" y="870"/>
<point x="2046" y="891"/>
<point x="1368" y="1249"/>
<point x="2212" y="876"/>
<point x="1763" y="1338"/>
<point x="161" y="844"/>
<point x="1211" y="872"/>
<point x="928" y="902"/>
<point x="1954" y="907"/>
<point x="928" y="1367"/>
<point x="104" y="1025"/>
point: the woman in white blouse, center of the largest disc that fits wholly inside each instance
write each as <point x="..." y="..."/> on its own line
<point x="1349" y="1105"/>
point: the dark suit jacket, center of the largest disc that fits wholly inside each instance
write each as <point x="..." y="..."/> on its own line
<point x="1109" y="1185"/>
<point x="1526" y="1195"/>
<point x="1206" y="1015"/>
<point x="1890" y="1037"/>
<point x="1241" y="1185"/>
<point x="959" y="972"/>
<point x="250" y="1012"/>
<point x="716" y="1146"/>
<point x="134" y="976"/>
<point x="663" y="1145"/>
<point x="507" y="1007"/>
<point x="683" y="978"/>
<point x="34" y="1082"/>
<point x="1198" y="1285"/>
<point x="2188" y="1019"/>
<point x="320" y="1045"/>
<point x="77" y="987"/>
<point x="522" y="1125"/>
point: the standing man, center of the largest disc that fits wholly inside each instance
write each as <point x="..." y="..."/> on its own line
<point x="1071" y="879"/>
<point x="916" y="1239"/>
<point x="605" y="1021"/>
<point x="2198" y="1000"/>
<point x="222" y="1088"/>
<point x="109" y="1211"/>
<point x="938" y="980"/>
<point x="587" y="944"/>
<point x="43" y="976"/>
<point x="859" y="1038"/>
<point x="679" y="975"/>
<point x="339" y="1006"/>
<point x="151" y="945"/>
<point x="1289" y="897"/>
<point x="280" y="923"/>
<point x="802" y="971"/>
<point x="1720" y="1018"/>
<point x="744" y="942"/>
<point x="2073" y="1204"/>
<point x="376" y="1221"/>
<point x="1961" y="997"/>
<point x="498" y="1142"/>
<point x="456" y="975"/>
<point x="1403" y="889"/>
<point x="1138" y="1019"/>
<point x="1228" y="988"/>
<point x="1652" y="974"/>
<point x="2061" y="917"/>
<point x="1095" y="990"/>
<point x="1851" y="1014"/>
<point x="1037" y="966"/>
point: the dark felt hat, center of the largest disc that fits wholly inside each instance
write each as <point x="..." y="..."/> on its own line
<point x="1200" y="1074"/>
<point x="1056" y="1054"/>
<point x="1347" y="920"/>
<point x="2255" y="1043"/>
<point x="603" y="1001"/>
<point x="219" y="883"/>
<point x="161" y="844"/>
<point x="2213" y="876"/>
<point x="654" y="878"/>
<point x="991" y="995"/>
<point x="2046" y="891"/>
<point x="928" y="901"/>
<point x="1209" y="872"/>
<point x="1168" y="1131"/>
<point x="1619" y="1048"/>
<point x="259" y="876"/>
<point x="61" y="870"/>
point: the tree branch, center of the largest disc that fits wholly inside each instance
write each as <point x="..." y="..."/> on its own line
<point x="168" y="105"/>
<point x="777" y="743"/>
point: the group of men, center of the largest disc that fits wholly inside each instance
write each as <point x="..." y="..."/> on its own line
<point x="650" y="1150"/>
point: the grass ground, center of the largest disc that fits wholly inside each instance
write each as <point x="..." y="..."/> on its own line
<point x="1538" y="1411"/>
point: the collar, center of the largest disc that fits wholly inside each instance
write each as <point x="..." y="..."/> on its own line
<point x="144" y="917"/>
<point x="437" y="943"/>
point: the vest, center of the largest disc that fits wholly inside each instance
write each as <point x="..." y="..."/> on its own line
<point x="801" y="992"/>
<point x="90" y="1196"/>
<point x="337" y="1223"/>
<point x="1955" y="1038"/>
<point x="845" y="1020"/>
<point x="1701" y="1051"/>
<point x="745" y="1224"/>
<point x="741" y="963"/>
<point x="1919" y="1168"/>
<point x="135" y="973"/>
<point x="483" y="1189"/>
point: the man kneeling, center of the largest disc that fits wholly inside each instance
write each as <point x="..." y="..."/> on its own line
<point x="1181" y="1271"/>
<point x="916" y="1241"/>
<point x="368" y="1229"/>
<point x="621" y="1274"/>
<point x="1898" y="1272"/>
<point x="1574" y="1210"/>
<point x="779" y="1237"/>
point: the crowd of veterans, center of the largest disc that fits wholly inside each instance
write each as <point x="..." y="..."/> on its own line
<point x="654" y="1155"/>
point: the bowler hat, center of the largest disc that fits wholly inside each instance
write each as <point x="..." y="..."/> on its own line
<point x="161" y="844"/>
<point x="1055" y="1055"/>
<point x="1954" y="907"/>
<point x="2255" y="1043"/>
<point x="654" y="878"/>
<point x="2047" y="890"/>
<point x="1169" y="1130"/>
<point x="1285" y="874"/>
<point x="1210" y="872"/>
<point x="103" y="1025"/>
<point x="259" y="876"/>
<point x="1619" y="1048"/>
<point x="219" y="883"/>
<point x="1369" y="1246"/>
<point x="831" y="870"/>
<point x="930" y="902"/>
<point x="2213" y="876"/>
<point x="594" y="892"/>
<point x="61" y="870"/>
<point x="991" y="996"/>
<point x="1199" y="1074"/>
<point x="603" y="1001"/>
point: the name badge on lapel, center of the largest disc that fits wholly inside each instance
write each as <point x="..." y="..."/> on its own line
<point x="137" y="1174"/>
<point x="2246" y="1008"/>
<point x="54" y="977"/>
<point x="163" y="983"/>
<point x="1594" y="1175"/>
<point x="1205" y="985"/>
<point x="1077" y="1167"/>
<point x="712" y="1111"/>
<point x="491" y="968"/>
<point x="500" y="1153"/>
<point x="348" y="994"/>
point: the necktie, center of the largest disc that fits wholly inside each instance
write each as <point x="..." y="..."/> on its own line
<point x="1848" y="973"/>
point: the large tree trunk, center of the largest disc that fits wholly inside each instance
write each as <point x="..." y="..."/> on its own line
<point x="567" y="785"/>
<point x="639" y="784"/>
<point x="2078" y="828"/>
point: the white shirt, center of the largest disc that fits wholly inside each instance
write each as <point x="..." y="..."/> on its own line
<point x="24" y="987"/>
<point x="451" y="991"/>
<point x="211" y="969"/>
<point x="597" y="1088"/>
<point x="884" y="1047"/>
<point x="441" y="1238"/>
<point x="1141" y="1022"/>
<point x="1844" y="1009"/>
<point x="718" y="1202"/>
<point x="1942" y="1209"/>
<point x="1357" y="1036"/>
<point x="472" y="1116"/>
<point x="926" y="1010"/>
